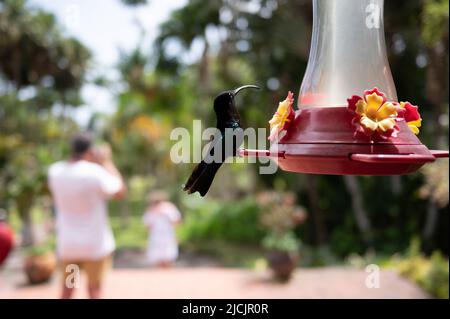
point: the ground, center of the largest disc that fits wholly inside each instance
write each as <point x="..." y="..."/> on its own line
<point x="205" y="279"/>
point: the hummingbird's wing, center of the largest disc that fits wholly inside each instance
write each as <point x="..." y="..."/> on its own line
<point x="202" y="178"/>
<point x="215" y="144"/>
<point x="220" y="150"/>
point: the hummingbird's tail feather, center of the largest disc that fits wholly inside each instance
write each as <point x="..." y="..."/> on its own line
<point x="202" y="178"/>
<point x="194" y="176"/>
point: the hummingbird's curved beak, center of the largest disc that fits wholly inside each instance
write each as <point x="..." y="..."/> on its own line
<point x="246" y="87"/>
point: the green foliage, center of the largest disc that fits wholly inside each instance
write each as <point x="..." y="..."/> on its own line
<point x="432" y="274"/>
<point x="279" y="217"/>
<point x="225" y="253"/>
<point x="436" y="186"/>
<point x="437" y="277"/>
<point x="29" y="143"/>
<point x="41" y="248"/>
<point x="286" y="242"/>
<point x="192" y="19"/>
<point x="158" y="91"/>
<point x="276" y="38"/>
<point x="435" y="21"/>
<point x="235" y="222"/>
<point x="126" y="217"/>
<point x="132" y="235"/>
<point x="39" y="68"/>
<point x="322" y="256"/>
<point x="34" y="52"/>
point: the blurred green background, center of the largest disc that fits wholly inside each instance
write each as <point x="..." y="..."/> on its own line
<point x="401" y="222"/>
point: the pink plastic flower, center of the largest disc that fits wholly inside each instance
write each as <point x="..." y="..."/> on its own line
<point x="411" y="115"/>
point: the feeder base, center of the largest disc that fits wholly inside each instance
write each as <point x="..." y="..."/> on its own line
<point x="322" y="141"/>
<point x="335" y="159"/>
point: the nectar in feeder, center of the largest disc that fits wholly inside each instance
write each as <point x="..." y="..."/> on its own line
<point x="349" y="119"/>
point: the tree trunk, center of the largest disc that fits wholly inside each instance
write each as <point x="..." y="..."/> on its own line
<point x="124" y="213"/>
<point x="362" y="219"/>
<point x="24" y="208"/>
<point x="436" y="91"/>
<point x="396" y="184"/>
<point x="431" y="221"/>
<point x="203" y="70"/>
<point x="316" y="213"/>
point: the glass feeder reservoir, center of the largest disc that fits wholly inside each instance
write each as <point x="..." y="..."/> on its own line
<point x="348" y="53"/>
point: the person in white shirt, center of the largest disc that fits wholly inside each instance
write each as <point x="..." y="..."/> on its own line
<point x="160" y="218"/>
<point x="81" y="187"/>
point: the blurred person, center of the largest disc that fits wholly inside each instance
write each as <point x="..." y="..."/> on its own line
<point x="160" y="218"/>
<point x="81" y="187"/>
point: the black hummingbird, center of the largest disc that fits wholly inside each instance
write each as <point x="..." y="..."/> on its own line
<point x="227" y="118"/>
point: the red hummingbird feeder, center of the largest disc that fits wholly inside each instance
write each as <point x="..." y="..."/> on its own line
<point x="349" y="120"/>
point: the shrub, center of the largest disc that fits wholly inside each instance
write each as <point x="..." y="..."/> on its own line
<point x="236" y="222"/>
<point x="429" y="273"/>
<point x="286" y="242"/>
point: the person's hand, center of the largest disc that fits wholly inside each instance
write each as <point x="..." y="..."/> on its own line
<point x="103" y="154"/>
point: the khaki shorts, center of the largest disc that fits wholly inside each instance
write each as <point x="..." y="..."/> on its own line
<point x="94" y="269"/>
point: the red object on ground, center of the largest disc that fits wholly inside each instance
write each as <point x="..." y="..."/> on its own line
<point x="322" y="141"/>
<point x="6" y="241"/>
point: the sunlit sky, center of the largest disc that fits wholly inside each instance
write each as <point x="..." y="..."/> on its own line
<point x="104" y="26"/>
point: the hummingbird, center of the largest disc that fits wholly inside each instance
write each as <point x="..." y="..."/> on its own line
<point x="227" y="118"/>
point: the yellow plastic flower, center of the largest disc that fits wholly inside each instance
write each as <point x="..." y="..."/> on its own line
<point x="376" y="114"/>
<point x="283" y="117"/>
